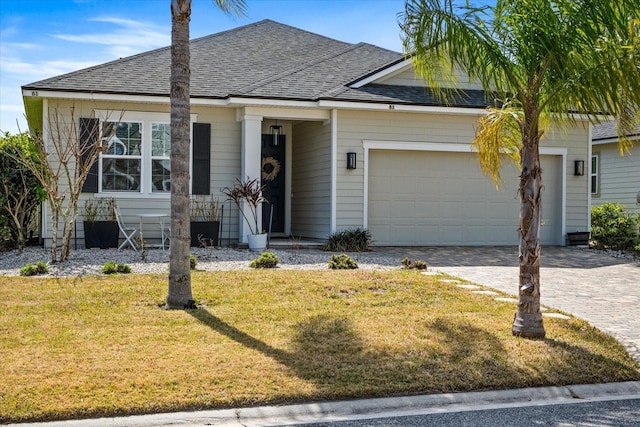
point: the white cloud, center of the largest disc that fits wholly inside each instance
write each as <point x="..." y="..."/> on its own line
<point x="127" y="37"/>
<point x="12" y="47"/>
<point x="38" y="70"/>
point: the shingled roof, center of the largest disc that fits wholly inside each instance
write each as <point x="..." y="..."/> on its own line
<point x="608" y="130"/>
<point x="261" y="60"/>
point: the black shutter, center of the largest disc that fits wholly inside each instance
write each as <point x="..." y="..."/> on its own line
<point x="88" y="136"/>
<point x="201" y="162"/>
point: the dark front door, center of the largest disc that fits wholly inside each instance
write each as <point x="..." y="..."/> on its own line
<point x="273" y="180"/>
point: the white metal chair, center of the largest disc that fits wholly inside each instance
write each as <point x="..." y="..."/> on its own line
<point x="165" y="230"/>
<point x="127" y="231"/>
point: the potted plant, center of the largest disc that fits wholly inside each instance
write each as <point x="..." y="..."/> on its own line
<point x="205" y="221"/>
<point x="247" y="195"/>
<point x="100" y="226"/>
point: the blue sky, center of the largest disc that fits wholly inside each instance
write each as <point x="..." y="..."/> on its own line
<point x="45" y="38"/>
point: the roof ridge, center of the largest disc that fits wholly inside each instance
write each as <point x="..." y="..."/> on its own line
<point x="296" y="69"/>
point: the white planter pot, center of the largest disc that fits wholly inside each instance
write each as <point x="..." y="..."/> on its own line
<point x="257" y="242"/>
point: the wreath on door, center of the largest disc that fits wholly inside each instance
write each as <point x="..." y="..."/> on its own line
<point x="270" y="168"/>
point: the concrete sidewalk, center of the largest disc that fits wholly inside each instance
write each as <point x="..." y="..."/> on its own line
<point x="368" y="408"/>
<point x="593" y="286"/>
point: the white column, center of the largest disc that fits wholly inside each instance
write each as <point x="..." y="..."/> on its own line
<point x="250" y="162"/>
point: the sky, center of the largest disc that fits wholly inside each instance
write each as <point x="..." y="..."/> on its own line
<point x="45" y="38"/>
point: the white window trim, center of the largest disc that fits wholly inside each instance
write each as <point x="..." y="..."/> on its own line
<point x="594" y="173"/>
<point x="146" y="118"/>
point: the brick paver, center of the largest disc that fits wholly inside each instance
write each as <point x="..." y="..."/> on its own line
<point x="596" y="287"/>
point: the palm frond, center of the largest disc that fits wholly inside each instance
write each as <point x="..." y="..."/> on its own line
<point x="498" y="135"/>
<point x="232" y="7"/>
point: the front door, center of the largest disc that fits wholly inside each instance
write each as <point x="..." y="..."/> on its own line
<point x="272" y="172"/>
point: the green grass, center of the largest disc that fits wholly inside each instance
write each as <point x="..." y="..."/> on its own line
<point x="102" y="346"/>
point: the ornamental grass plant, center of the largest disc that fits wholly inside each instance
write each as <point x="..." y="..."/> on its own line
<point x="96" y="346"/>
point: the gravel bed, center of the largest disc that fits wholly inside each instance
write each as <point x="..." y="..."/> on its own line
<point x="90" y="261"/>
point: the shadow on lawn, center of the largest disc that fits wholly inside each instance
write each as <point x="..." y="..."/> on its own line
<point x="456" y="356"/>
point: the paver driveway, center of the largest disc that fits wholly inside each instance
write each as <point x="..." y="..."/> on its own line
<point x="593" y="286"/>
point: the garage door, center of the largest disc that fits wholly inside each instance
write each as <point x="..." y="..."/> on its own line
<point x="431" y="198"/>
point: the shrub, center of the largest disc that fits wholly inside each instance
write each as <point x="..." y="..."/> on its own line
<point x="342" y="262"/>
<point x="351" y="240"/>
<point x="265" y="260"/>
<point x="111" y="267"/>
<point x="414" y="265"/>
<point x="20" y="192"/>
<point x="123" y="269"/>
<point x="192" y="261"/>
<point x="33" y="270"/>
<point x="613" y="228"/>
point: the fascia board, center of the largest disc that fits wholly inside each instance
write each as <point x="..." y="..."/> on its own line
<point x="400" y="107"/>
<point x="266" y="102"/>
<point x="93" y="96"/>
<point x="614" y="139"/>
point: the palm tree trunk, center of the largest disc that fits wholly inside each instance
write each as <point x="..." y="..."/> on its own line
<point x="528" y="319"/>
<point x="179" y="294"/>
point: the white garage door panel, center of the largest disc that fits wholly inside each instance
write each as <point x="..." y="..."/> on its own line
<point x="442" y="198"/>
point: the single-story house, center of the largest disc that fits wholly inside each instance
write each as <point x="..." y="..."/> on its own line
<point x="363" y="142"/>
<point x="614" y="178"/>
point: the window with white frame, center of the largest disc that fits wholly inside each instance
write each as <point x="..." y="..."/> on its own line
<point x="137" y="158"/>
<point x="160" y="157"/>
<point x="595" y="181"/>
<point x="122" y="160"/>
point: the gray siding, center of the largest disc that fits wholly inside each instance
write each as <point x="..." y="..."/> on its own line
<point x="225" y="167"/>
<point x="409" y="78"/>
<point x="619" y="176"/>
<point x="311" y="180"/>
<point x="356" y="126"/>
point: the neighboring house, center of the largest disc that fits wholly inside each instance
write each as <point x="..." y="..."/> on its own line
<point x="414" y="179"/>
<point x="614" y="177"/>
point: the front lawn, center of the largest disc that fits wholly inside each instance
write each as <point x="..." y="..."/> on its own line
<point x="102" y="346"/>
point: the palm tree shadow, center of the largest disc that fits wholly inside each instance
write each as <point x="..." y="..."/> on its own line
<point x="331" y="353"/>
<point x="220" y="326"/>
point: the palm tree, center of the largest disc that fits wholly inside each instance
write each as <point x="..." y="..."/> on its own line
<point x="179" y="295"/>
<point x="544" y="61"/>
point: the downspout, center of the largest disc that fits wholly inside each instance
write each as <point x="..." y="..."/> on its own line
<point x="334" y="169"/>
<point x="589" y="172"/>
<point x="44" y="226"/>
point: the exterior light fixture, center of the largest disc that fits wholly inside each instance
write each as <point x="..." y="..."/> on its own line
<point x="276" y="130"/>
<point x="578" y="168"/>
<point x="351" y="160"/>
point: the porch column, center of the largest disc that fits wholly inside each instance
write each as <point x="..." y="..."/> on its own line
<point x="250" y="162"/>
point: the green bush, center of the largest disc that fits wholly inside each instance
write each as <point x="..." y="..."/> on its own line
<point x="265" y="260"/>
<point x="342" y="262"/>
<point x="192" y="261"/>
<point x="20" y="193"/>
<point x="111" y="267"/>
<point x="414" y="265"/>
<point x="351" y="240"/>
<point x="614" y="228"/>
<point x="33" y="270"/>
<point x="123" y="269"/>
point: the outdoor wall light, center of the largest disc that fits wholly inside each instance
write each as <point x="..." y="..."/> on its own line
<point x="351" y="160"/>
<point x="578" y="168"/>
<point x="276" y="130"/>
